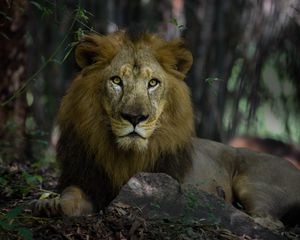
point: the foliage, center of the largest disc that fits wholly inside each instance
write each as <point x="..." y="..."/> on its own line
<point x="212" y="84"/>
<point x="276" y="115"/>
<point x="80" y="16"/>
<point x="174" y="21"/>
<point x="7" y="224"/>
<point x="14" y="184"/>
<point x="37" y="138"/>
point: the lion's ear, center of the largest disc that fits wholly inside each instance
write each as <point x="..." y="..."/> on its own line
<point x="86" y="51"/>
<point x="182" y="56"/>
<point x="175" y="57"/>
<point x="96" y="48"/>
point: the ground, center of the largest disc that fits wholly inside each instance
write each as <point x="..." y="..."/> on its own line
<point x="21" y="184"/>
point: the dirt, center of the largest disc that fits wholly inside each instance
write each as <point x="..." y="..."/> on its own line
<point x="21" y="184"/>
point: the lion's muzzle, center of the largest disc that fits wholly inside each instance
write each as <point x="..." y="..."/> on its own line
<point x="133" y="130"/>
<point x="134" y="118"/>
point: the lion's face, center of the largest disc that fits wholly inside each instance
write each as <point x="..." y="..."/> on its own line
<point x="134" y="97"/>
<point x="127" y="85"/>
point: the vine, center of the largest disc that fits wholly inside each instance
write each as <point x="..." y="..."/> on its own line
<point x="80" y="16"/>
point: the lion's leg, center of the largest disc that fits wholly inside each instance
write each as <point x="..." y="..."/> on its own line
<point x="259" y="202"/>
<point x="73" y="202"/>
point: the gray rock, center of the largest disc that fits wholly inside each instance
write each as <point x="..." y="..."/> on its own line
<point x="159" y="196"/>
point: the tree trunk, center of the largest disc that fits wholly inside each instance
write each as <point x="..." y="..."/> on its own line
<point x="13" y="75"/>
<point x="220" y="34"/>
<point x="212" y="34"/>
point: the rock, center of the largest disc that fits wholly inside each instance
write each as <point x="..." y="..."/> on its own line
<point x="159" y="196"/>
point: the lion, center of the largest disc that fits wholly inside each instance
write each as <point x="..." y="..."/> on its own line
<point x="287" y="151"/>
<point x="129" y="110"/>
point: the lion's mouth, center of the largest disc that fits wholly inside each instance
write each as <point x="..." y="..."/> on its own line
<point x="133" y="135"/>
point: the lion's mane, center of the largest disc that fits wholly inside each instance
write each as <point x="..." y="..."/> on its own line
<point x="87" y="152"/>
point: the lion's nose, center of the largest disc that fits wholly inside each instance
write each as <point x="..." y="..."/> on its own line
<point x="134" y="119"/>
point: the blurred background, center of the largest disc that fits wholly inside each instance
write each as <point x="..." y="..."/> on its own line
<point x="245" y="80"/>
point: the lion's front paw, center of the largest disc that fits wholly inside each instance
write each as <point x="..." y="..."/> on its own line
<point x="74" y="202"/>
<point x="73" y="207"/>
<point x="269" y="222"/>
<point x="46" y="207"/>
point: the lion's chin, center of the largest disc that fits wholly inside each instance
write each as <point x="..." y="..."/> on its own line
<point x="132" y="143"/>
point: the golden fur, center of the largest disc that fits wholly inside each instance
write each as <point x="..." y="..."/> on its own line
<point x="129" y="110"/>
<point x="84" y="105"/>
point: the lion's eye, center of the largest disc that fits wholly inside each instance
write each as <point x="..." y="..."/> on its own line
<point x="116" y="80"/>
<point x="153" y="82"/>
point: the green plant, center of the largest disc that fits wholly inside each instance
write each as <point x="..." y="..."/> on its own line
<point x="79" y="16"/>
<point x="176" y="24"/>
<point x="31" y="181"/>
<point x="191" y="200"/>
<point x="155" y="205"/>
<point x="9" y="225"/>
<point x="18" y="184"/>
<point x="212" y="84"/>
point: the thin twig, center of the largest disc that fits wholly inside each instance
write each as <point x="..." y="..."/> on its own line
<point x="18" y="92"/>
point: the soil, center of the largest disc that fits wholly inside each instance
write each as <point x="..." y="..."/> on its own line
<point x="20" y="184"/>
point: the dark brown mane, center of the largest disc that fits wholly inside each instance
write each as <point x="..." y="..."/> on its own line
<point x="87" y="151"/>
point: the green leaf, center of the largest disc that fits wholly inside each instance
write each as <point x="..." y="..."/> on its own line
<point x="46" y="12"/>
<point x="14" y="212"/>
<point x="176" y="24"/>
<point x="79" y="33"/>
<point x="29" y="98"/>
<point x="37" y="5"/>
<point x="82" y="14"/>
<point x="174" y="21"/>
<point x="211" y="80"/>
<point x="24" y="190"/>
<point x="155" y="205"/>
<point x="6" y="226"/>
<point x="45" y="195"/>
<point x="25" y="233"/>
<point x="3" y="182"/>
<point x="32" y="179"/>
